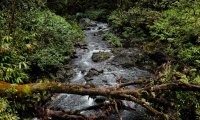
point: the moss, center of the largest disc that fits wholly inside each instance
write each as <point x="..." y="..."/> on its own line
<point x="11" y="91"/>
<point x="101" y="56"/>
<point x="26" y="89"/>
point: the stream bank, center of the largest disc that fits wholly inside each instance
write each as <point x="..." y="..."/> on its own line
<point x="104" y="71"/>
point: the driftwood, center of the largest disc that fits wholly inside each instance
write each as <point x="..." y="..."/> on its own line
<point x="115" y="92"/>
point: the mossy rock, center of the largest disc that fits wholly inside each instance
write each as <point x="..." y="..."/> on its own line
<point x="101" y="56"/>
<point x="91" y="73"/>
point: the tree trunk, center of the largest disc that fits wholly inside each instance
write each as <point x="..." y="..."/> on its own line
<point x="115" y="92"/>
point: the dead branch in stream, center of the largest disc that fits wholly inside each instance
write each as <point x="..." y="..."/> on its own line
<point x="115" y="92"/>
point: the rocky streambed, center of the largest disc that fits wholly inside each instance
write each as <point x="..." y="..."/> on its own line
<point x="98" y="65"/>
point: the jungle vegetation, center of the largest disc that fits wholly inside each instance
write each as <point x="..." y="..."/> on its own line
<point x="38" y="37"/>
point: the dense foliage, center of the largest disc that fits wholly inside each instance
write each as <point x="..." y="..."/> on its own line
<point x="35" y="39"/>
<point x="6" y="112"/>
<point x="112" y="39"/>
<point x="32" y="40"/>
<point x="179" y="28"/>
<point x="171" y="28"/>
<point x="40" y="39"/>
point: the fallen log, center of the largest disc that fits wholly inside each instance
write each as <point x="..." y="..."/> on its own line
<point x="115" y="92"/>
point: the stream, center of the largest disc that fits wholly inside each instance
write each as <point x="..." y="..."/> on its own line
<point x="106" y="74"/>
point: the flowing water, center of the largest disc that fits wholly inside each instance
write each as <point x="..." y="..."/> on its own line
<point x="110" y="73"/>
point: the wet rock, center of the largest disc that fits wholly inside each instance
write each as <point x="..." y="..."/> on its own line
<point x="90" y="84"/>
<point x="91" y="73"/>
<point x="84" y="47"/>
<point x="130" y="115"/>
<point x="65" y="73"/>
<point x="101" y="56"/>
<point x="126" y="57"/>
<point x="99" y="33"/>
<point x="95" y="34"/>
<point x="105" y="79"/>
<point x="132" y="57"/>
<point x="100" y="99"/>
<point x="86" y="23"/>
<point x="100" y="27"/>
<point x="81" y="44"/>
<point x="93" y="24"/>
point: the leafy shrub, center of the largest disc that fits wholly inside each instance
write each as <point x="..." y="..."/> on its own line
<point x="184" y="102"/>
<point x="6" y="113"/>
<point x="190" y="55"/>
<point x="113" y="39"/>
<point x="134" y="22"/>
<point x="49" y="57"/>
<point x="95" y="14"/>
<point x="40" y="37"/>
<point x="50" y="37"/>
<point x="118" y="18"/>
<point x="2" y="20"/>
<point x="12" y="64"/>
<point x="179" y="28"/>
<point x="72" y="7"/>
<point x="50" y="28"/>
<point x="156" y="5"/>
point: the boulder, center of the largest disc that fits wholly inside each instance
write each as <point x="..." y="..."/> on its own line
<point x="132" y="57"/>
<point x="100" y="99"/>
<point x="125" y="57"/>
<point x="86" y="23"/>
<point x="101" y="56"/>
<point x="65" y="73"/>
<point x="91" y="73"/>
